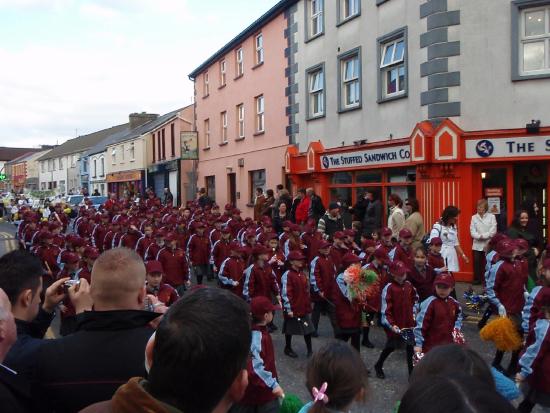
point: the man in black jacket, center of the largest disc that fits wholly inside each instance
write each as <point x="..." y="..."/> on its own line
<point x="108" y="346"/>
<point x="14" y="391"/>
<point x="316" y="207"/>
<point x="373" y="214"/>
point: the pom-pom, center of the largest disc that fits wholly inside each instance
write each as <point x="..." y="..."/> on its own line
<point x="291" y="404"/>
<point x="502" y="331"/>
<point x="362" y="284"/>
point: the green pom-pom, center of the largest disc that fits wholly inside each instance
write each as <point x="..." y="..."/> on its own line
<point x="370" y="277"/>
<point x="291" y="404"/>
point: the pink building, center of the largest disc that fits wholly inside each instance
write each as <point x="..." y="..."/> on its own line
<point x="241" y="112"/>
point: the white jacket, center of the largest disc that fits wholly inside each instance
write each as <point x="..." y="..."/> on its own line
<point x="482" y="230"/>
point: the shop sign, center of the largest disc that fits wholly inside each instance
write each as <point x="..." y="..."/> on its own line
<point x="124" y="176"/>
<point x="373" y="157"/>
<point x="506" y="147"/>
<point x="189" y="145"/>
<point x="494" y="192"/>
<point x="494" y="205"/>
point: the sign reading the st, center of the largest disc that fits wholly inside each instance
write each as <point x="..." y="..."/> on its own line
<point x="372" y="157"/>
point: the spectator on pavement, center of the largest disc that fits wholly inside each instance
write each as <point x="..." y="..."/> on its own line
<point x="199" y="358"/>
<point x="204" y="200"/>
<point x="283" y="198"/>
<point x="372" y="221"/>
<point x="521" y="228"/>
<point x="281" y="216"/>
<point x="300" y="207"/>
<point x="107" y="348"/>
<point x="482" y="228"/>
<point x="360" y="207"/>
<point x="267" y="209"/>
<point x="331" y="222"/>
<point x="168" y="197"/>
<point x="446" y="229"/>
<point x="259" y="203"/>
<point x="316" y="207"/>
<point x="414" y="222"/>
<point x="396" y="216"/>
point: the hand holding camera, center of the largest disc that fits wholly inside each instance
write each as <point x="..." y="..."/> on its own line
<point x="79" y="293"/>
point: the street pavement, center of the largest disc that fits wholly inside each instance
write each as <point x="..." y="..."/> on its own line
<point x="382" y="394"/>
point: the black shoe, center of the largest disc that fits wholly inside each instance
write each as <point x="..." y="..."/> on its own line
<point x="290" y="353"/>
<point x="379" y="372"/>
<point x="367" y="344"/>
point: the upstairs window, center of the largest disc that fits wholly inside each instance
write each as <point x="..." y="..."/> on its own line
<point x="206" y="85"/>
<point x="260" y="115"/>
<point x="316" y="84"/>
<point x="240" y="121"/>
<point x="239" y="58"/>
<point x="535" y="40"/>
<point x="223" y="125"/>
<point x="259" y="49"/>
<point x="207" y="133"/>
<point x="316" y="17"/>
<point x="223" y="73"/>
<point x="393" y="71"/>
<point x="350" y="80"/>
<point x="132" y="151"/>
<point x="349" y="9"/>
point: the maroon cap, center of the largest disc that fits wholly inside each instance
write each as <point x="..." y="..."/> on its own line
<point x="349" y="233"/>
<point x="234" y="246"/>
<point x="445" y="279"/>
<point x="506" y="248"/>
<point x="250" y="233"/>
<point x="271" y="235"/>
<point x="522" y="244"/>
<point x="171" y="236"/>
<point x="287" y="223"/>
<point x="160" y="233"/>
<point x="339" y="235"/>
<point x="368" y="243"/>
<point x="259" y="250"/>
<point x="546" y="264"/>
<point x="385" y="232"/>
<point x="436" y="241"/>
<point x="405" y="233"/>
<point x="398" y="268"/>
<point x="324" y="244"/>
<point x="78" y="242"/>
<point x="228" y="207"/>
<point x="70" y="258"/>
<point x="91" y="252"/>
<point x="295" y="228"/>
<point x="381" y="254"/>
<point x="350" y="259"/>
<point x="44" y="235"/>
<point x="296" y="256"/>
<point x="493" y="242"/>
<point x="199" y="225"/>
<point x="236" y="211"/>
<point x="153" y="266"/>
<point x="261" y="305"/>
<point x="53" y="225"/>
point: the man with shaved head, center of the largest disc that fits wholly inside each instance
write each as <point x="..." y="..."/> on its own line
<point x="107" y="348"/>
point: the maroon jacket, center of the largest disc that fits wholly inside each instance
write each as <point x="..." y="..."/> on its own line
<point x="108" y="240"/>
<point x="399" y="304"/>
<point x="322" y="277"/>
<point x="423" y="281"/>
<point x="198" y="250"/>
<point x="509" y="286"/>
<point x="260" y="281"/>
<point x="435" y="261"/>
<point x="220" y="252"/>
<point x="59" y="240"/>
<point x="49" y="254"/>
<point x="98" y="236"/>
<point x="535" y="360"/>
<point x="262" y="372"/>
<point x="85" y="273"/>
<point x="142" y="245"/>
<point x="174" y="264"/>
<point x="348" y="312"/>
<point x="278" y="269"/>
<point x="231" y="272"/>
<point x="130" y="239"/>
<point x="405" y="256"/>
<point x="436" y="321"/>
<point x="337" y="253"/>
<point x="295" y="293"/>
<point x="214" y="235"/>
<point x="151" y="251"/>
<point x="312" y="242"/>
<point x="84" y="229"/>
<point x="165" y="293"/>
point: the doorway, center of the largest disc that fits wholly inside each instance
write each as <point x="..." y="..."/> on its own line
<point x="530" y="187"/>
<point x="232" y="186"/>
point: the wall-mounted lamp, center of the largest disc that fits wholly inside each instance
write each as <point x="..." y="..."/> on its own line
<point x="483" y="175"/>
<point x="229" y="168"/>
<point x="533" y="127"/>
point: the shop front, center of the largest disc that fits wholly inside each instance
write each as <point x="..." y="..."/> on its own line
<point x="126" y="183"/>
<point x="438" y="166"/>
<point x="165" y="175"/>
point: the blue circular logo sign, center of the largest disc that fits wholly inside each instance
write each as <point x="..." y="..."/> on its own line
<point x="325" y="162"/>
<point x="485" y="148"/>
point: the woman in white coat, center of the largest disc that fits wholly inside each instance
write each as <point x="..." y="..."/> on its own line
<point x="396" y="217"/>
<point x="446" y="229"/>
<point x="482" y="228"/>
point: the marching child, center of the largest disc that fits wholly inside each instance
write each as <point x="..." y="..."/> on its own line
<point x="532" y="309"/>
<point x="336" y="377"/>
<point x="440" y="315"/>
<point x="322" y="276"/>
<point x="297" y="303"/>
<point x="535" y="364"/>
<point x="259" y="278"/>
<point x="263" y="389"/>
<point x="399" y="306"/>
<point x="435" y="260"/>
<point x="403" y="251"/>
<point x="232" y="269"/>
<point x="422" y="276"/>
<point x="386" y="241"/>
<point x="154" y="285"/>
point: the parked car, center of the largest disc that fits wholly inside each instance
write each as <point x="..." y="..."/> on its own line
<point x="75" y="200"/>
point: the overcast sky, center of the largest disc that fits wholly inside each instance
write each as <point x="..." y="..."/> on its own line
<point x="84" y="65"/>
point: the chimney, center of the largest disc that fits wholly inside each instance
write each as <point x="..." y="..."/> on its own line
<point x="138" y="119"/>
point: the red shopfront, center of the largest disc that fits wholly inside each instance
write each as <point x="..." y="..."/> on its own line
<point x="438" y="166"/>
<point x="126" y="183"/>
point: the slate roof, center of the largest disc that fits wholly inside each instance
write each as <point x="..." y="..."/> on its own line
<point x="9" y="154"/>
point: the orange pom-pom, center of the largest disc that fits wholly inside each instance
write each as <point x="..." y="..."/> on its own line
<point x="503" y="332"/>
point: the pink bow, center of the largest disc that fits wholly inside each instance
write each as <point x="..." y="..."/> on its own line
<point x="319" y="394"/>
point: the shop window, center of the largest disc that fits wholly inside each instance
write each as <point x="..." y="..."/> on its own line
<point x="342" y="178"/>
<point x="342" y="195"/>
<point x="402" y="175"/>
<point x="210" y="183"/>
<point x="367" y="177"/>
<point x="257" y="180"/>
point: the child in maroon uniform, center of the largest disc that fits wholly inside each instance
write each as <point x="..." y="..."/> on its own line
<point x="532" y="309"/>
<point x="385" y="239"/>
<point x="338" y="250"/>
<point x="198" y="251"/>
<point x="422" y="276"/>
<point x="403" y="251"/>
<point x="399" y="306"/>
<point x="220" y="250"/>
<point x="71" y="263"/>
<point x="174" y="264"/>
<point x="232" y="269"/>
<point x="146" y="240"/>
<point x="297" y="303"/>
<point x="88" y="258"/>
<point x="263" y="389"/>
<point x="435" y="260"/>
<point x="439" y="316"/>
<point x="153" y="278"/>
<point x="348" y="310"/>
<point x="259" y="278"/>
<point x="322" y="276"/>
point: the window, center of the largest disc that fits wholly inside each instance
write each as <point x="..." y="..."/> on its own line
<point x="223" y="72"/>
<point x="350" y="80"/>
<point x="257" y="180"/>
<point x="316" y="91"/>
<point x="163" y="145"/>
<point x="210" y="183"/>
<point x="60" y="163"/>
<point x="154" y="148"/>
<point x="95" y="168"/>
<point x="535" y="41"/>
<point x="348" y="9"/>
<point x="207" y="133"/>
<point x="132" y="151"/>
<point x="102" y="167"/>
<point x="73" y="161"/>
<point x="122" y="153"/>
<point x="206" y="85"/>
<point x="172" y="141"/>
<point x="240" y="121"/>
<point x="316" y="18"/>
<point x="259" y="49"/>
<point x="85" y="165"/>
<point x="393" y="72"/>
<point x="260" y="117"/>
<point x="223" y="130"/>
<point x="113" y="156"/>
<point x="43" y="167"/>
<point x="239" y="57"/>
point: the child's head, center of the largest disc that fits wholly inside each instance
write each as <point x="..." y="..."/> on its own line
<point x="154" y="273"/>
<point x="386" y="235"/>
<point x="260" y="253"/>
<point x="262" y="309"/>
<point x="296" y="260"/>
<point x="339" y="238"/>
<point x="380" y="257"/>
<point x="419" y="257"/>
<point x="398" y="270"/>
<point x="71" y="261"/>
<point x="273" y="242"/>
<point x="507" y="249"/>
<point x="444" y="284"/>
<point x="375" y="235"/>
<point x="435" y="245"/>
<point x="339" y="366"/>
<point x="405" y="237"/>
<point x="324" y="248"/>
